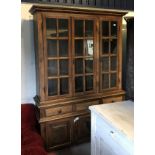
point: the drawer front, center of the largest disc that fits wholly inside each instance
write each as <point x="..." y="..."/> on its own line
<point x="85" y="105"/>
<point x="112" y="99"/>
<point x="58" y="110"/>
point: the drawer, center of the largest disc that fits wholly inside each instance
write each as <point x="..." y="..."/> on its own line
<point x="58" y="110"/>
<point x="112" y="99"/>
<point x="85" y="105"/>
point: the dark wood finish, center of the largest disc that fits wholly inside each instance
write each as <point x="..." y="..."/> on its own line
<point x="82" y="128"/>
<point x="58" y="134"/>
<point x="64" y="118"/>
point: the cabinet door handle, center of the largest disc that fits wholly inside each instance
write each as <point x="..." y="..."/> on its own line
<point x="76" y="119"/>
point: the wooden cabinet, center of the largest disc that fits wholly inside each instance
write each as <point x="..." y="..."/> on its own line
<point x="79" y="64"/>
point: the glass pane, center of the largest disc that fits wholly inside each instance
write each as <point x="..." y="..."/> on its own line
<point x="89" y="47"/>
<point x="63" y="48"/>
<point x="78" y="47"/>
<point x="114" y="29"/>
<point x="105" y="46"/>
<point x="114" y="46"/>
<point x="78" y="28"/>
<point x="89" y="82"/>
<point x="113" y="80"/>
<point x="113" y="63"/>
<point x="105" y="64"/>
<point x="52" y="68"/>
<point x="105" y="81"/>
<point x="89" y="65"/>
<point x="105" y="28"/>
<point x="79" y="66"/>
<point x="51" y="27"/>
<point x="64" y="67"/>
<point x="79" y="84"/>
<point x="63" y="27"/>
<point x="52" y="48"/>
<point x="52" y="87"/>
<point x="89" y="28"/>
<point x="64" y="89"/>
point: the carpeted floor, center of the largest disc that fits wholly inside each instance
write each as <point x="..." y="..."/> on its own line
<point x="81" y="149"/>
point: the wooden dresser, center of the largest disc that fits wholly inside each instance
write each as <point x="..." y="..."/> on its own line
<point x="78" y="64"/>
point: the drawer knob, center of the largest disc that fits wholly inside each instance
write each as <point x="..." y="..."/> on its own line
<point x="59" y="111"/>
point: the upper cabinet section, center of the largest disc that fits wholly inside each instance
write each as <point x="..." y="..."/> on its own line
<point x="106" y="4"/>
<point x="78" y="52"/>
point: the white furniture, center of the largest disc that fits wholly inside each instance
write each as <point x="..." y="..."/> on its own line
<point x="112" y="128"/>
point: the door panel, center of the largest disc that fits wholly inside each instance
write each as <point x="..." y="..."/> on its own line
<point x="58" y="133"/>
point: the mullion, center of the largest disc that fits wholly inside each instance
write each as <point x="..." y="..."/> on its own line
<point x="84" y="54"/>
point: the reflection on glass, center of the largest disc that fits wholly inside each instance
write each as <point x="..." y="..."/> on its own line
<point x="79" y="66"/>
<point x="78" y="28"/>
<point x="89" y="47"/>
<point x="51" y="27"/>
<point x="63" y="67"/>
<point x="89" y="65"/>
<point x="105" y="64"/>
<point x="105" y="46"/>
<point x="64" y="89"/>
<point x="79" y="47"/>
<point x="52" y="68"/>
<point x="113" y="63"/>
<point x="89" y="28"/>
<point x="105" y="28"/>
<point x="63" y="48"/>
<point x="89" y="82"/>
<point x="113" y="80"/>
<point x="114" y="46"/>
<point x="63" y="27"/>
<point x="114" y="29"/>
<point x="79" y="84"/>
<point x="105" y="81"/>
<point x="52" y="87"/>
<point x="52" y="48"/>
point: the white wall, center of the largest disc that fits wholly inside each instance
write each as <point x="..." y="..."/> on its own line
<point x="28" y="79"/>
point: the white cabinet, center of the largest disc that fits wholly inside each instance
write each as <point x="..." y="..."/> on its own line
<point x="112" y="128"/>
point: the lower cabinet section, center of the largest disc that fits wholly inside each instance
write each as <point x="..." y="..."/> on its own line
<point x="63" y="125"/>
<point x="66" y="131"/>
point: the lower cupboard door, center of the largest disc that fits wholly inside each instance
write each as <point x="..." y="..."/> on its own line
<point x="58" y="134"/>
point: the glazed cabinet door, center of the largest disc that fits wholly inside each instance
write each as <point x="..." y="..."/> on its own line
<point x="110" y="58"/>
<point x="84" y="53"/>
<point x="57" y="55"/>
<point x="82" y="128"/>
<point x="58" y="134"/>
